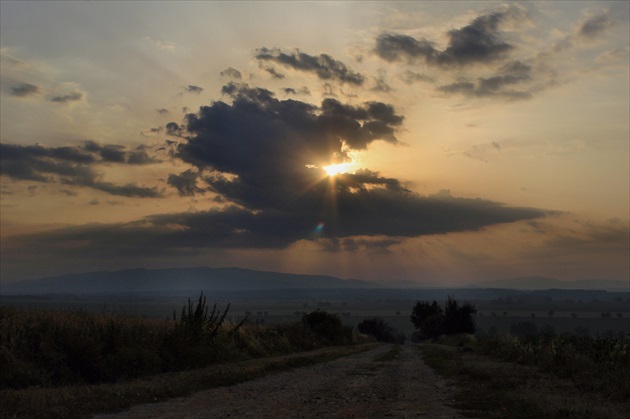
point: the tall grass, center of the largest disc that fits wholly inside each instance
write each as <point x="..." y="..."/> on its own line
<point x="57" y="348"/>
<point x="595" y="364"/>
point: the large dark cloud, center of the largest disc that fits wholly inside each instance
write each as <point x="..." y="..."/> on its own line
<point x="385" y="215"/>
<point x="478" y="42"/>
<point x="323" y="65"/>
<point x="73" y="165"/>
<point x="257" y="149"/>
<point x="265" y="156"/>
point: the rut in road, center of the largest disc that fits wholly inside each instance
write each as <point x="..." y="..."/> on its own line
<point x="355" y="386"/>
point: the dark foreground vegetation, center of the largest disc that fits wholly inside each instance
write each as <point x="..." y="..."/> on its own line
<point x="542" y="376"/>
<point x="60" y="348"/>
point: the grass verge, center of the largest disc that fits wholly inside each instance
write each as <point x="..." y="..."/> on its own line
<point x="489" y="388"/>
<point x="84" y="401"/>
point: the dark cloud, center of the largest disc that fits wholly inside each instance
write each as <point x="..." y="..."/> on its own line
<point x="264" y="156"/>
<point x="67" y="98"/>
<point x="323" y="65"/>
<point x="500" y="85"/>
<point x="368" y="218"/>
<point x="478" y="42"/>
<point x="257" y="149"/>
<point x="185" y="183"/>
<point x="173" y="129"/>
<point x="72" y="166"/>
<point x="301" y="91"/>
<point x="274" y="73"/>
<point x="24" y="90"/>
<point x="595" y="25"/>
<point x="194" y="89"/>
<point x="232" y="73"/>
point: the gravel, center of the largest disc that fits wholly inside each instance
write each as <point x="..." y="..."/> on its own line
<point x="355" y="386"/>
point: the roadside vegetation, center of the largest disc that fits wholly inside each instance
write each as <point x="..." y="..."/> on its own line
<point x="51" y="356"/>
<point x="527" y="373"/>
<point x="540" y="376"/>
<point x="432" y="321"/>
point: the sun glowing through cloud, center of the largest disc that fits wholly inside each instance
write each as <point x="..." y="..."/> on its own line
<point x="335" y="169"/>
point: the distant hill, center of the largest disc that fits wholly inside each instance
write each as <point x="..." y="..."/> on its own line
<point x="543" y="283"/>
<point x="149" y="281"/>
<point x="193" y="280"/>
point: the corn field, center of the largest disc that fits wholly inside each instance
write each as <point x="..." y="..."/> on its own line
<point x="56" y="348"/>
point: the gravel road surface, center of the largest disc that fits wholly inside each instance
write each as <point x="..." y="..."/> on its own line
<point x="355" y="386"/>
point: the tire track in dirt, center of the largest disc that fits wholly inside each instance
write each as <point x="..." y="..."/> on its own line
<point x="355" y="386"/>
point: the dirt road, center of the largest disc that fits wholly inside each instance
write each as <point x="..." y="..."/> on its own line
<point x="356" y="386"/>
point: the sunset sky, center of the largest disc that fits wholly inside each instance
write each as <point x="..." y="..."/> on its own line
<point x="476" y="140"/>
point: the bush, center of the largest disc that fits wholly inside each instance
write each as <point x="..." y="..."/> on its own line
<point x="380" y="330"/>
<point x="433" y="321"/>
<point x="328" y="326"/>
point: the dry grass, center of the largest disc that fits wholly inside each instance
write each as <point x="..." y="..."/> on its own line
<point x="497" y="389"/>
<point x="84" y="401"/>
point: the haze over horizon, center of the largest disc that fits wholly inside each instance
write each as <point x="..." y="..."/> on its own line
<point x="422" y="141"/>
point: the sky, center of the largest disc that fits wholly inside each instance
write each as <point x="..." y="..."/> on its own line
<point x="444" y="143"/>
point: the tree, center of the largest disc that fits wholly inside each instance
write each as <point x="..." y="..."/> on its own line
<point x="459" y="319"/>
<point x="433" y="321"/>
<point x="422" y="310"/>
<point x="328" y="326"/>
<point x="378" y="328"/>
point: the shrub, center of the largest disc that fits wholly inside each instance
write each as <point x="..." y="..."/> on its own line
<point x="379" y="329"/>
<point x="422" y="310"/>
<point x="433" y="321"/>
<point x="328" y="326"/>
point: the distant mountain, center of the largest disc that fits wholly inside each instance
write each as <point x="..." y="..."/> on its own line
<point x="543" y="283"/>
<point x="177" y="280"/>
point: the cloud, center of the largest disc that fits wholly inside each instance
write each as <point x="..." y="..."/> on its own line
<point x="480" y="151"/>
<point x="409" y="77"/>
<point x="380" y="84"/>
<point x="232" y="73"/>
<point x="272" y="71"/>
<point x="498" y="85"/>
<point x="185" y="183"/>
<point x="194" y="89"/>
<point x="263" y="157"/>
<point x="595" y="26"/>
<point x="24" y="90"/>
<point x="323" y="65"/>
<point x="72" y="166"/>
<point x="67" y="98"/>
<point x="301" y="91"/>
<point x="478" y="42"/>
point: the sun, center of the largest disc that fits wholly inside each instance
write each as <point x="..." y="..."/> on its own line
<point x="335" y="169"/>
